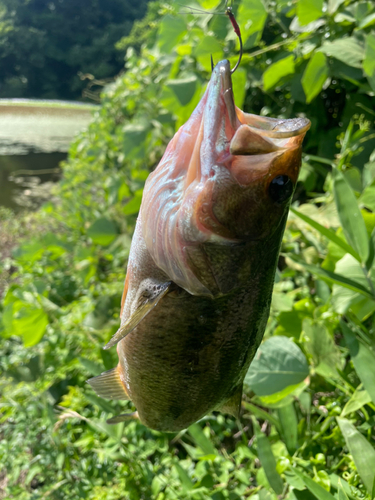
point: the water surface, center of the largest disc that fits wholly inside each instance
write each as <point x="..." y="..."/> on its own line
<point x="34" y="137"/>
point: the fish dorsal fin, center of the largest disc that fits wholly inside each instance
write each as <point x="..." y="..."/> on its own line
<point x="123" y="417"/>
<point x="154" y="295"/>
<point x="109" y="385"/>
<point x="233" y="405"/>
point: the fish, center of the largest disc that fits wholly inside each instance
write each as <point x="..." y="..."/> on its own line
<point x="202" y="262"/>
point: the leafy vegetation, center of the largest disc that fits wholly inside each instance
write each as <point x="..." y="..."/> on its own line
<point x="307" y="429"/>
<point x="53" y="49"/>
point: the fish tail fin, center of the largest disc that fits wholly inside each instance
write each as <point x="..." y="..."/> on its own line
<point x="233" y="405"/>
<point x="109" y="385"/>
<point x="123" y="417"/>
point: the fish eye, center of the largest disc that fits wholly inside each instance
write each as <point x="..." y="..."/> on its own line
<point x="281" y="188"/>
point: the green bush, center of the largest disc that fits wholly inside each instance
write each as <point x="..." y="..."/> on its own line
<point x="307" y="429"/>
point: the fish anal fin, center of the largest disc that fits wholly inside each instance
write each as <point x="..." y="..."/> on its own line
<point x="109" y="385"/>
<point x="233" y="404"/>
<point x="140" y="313"/>
<point x="123" y="417"/>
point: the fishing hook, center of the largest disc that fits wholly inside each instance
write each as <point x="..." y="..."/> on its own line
<point x="229" y="13"/>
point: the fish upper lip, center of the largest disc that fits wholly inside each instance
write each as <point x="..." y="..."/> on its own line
<point x="226" y="82"/>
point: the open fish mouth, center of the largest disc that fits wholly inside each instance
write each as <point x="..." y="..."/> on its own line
<point x="253" y="134"/>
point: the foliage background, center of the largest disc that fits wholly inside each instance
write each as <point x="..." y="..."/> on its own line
<point x="57" y="49"/>
<point x="307" y="429"/>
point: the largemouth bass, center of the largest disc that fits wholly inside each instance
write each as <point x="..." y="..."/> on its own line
<point x="202" y="262"/>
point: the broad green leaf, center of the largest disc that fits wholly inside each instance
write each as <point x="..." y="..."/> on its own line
<point x="201" y="440"/>
<point x="343" y="298"/>
<point x="184" y="89"/>
<point x="134" y="136"/>
<point x="133" y="206"/>
<point x="361" y="450"/>
<point x="318" y="491"/>
<point x="315" y="75"/>
<point x="171" y="31"/>
<point x="360" y="398"/>
<point x="206" y="46"/>
<point x="328" y="233"/>
<point x="102" y="231"/>
<point x="251" y="16"/>
<point x="277" y="71"/>
<point x="289" y="426"/>
<point x="369" y="61"/>
<point x="367" y="21"/>
<point x="348" y="50"/>
<point x="23" y="316"/>
<point x="350" y="215"/>
<point x="363" y="359"/>
<point x="278" y="363"/>
<point x="309" y="10"/>
<point x="267" y="459"/>
<point x="31" y="324"/>
<point x="320" y="345"/>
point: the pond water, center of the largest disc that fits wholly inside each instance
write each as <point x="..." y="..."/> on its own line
<point x="34" y="138"/>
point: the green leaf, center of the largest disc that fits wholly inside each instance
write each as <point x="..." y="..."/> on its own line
<point x="328" y="233"/>
<point x="333" y="277"/>
<point x="264" y="415"/>
<point x="278" y="363"/>
<point x="350" y="215"/>
<point x="367" y="21"/>
<point x="309" y="10"/>
<point x="186" y="482"/>
<point x="201" y="440"/>
<point x="363" y="359"/>
<point x="24" y="318"/>
<point x="320" y="345"/>
<point x="103" y="231"/>
<point x="369" y="61"/>
<point x="251" y="16"/>
<point x="133" y="206"/>
<point x="277" y="71"/>
<point x="267" y="459"/>
<point x="134" y="137"/>
<point x="184" y="89"/>
<point x="348" y="50"/>
<point x="314" y="76"/>
<point x="239" y="81"/>
<point x="362" y="452"/>
<point x="289" y="426"/>
<point x="171" y="31"/>
<point x="343" y="298"/>
<point x="360" y="398"/>
<point x="315" y="488"/>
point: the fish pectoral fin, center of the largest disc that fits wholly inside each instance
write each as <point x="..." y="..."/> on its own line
<point x="233" y="404"/>
<point x="123" y="417"/>
<point x="140" y="313"/>
<point x="109" y="385"/>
